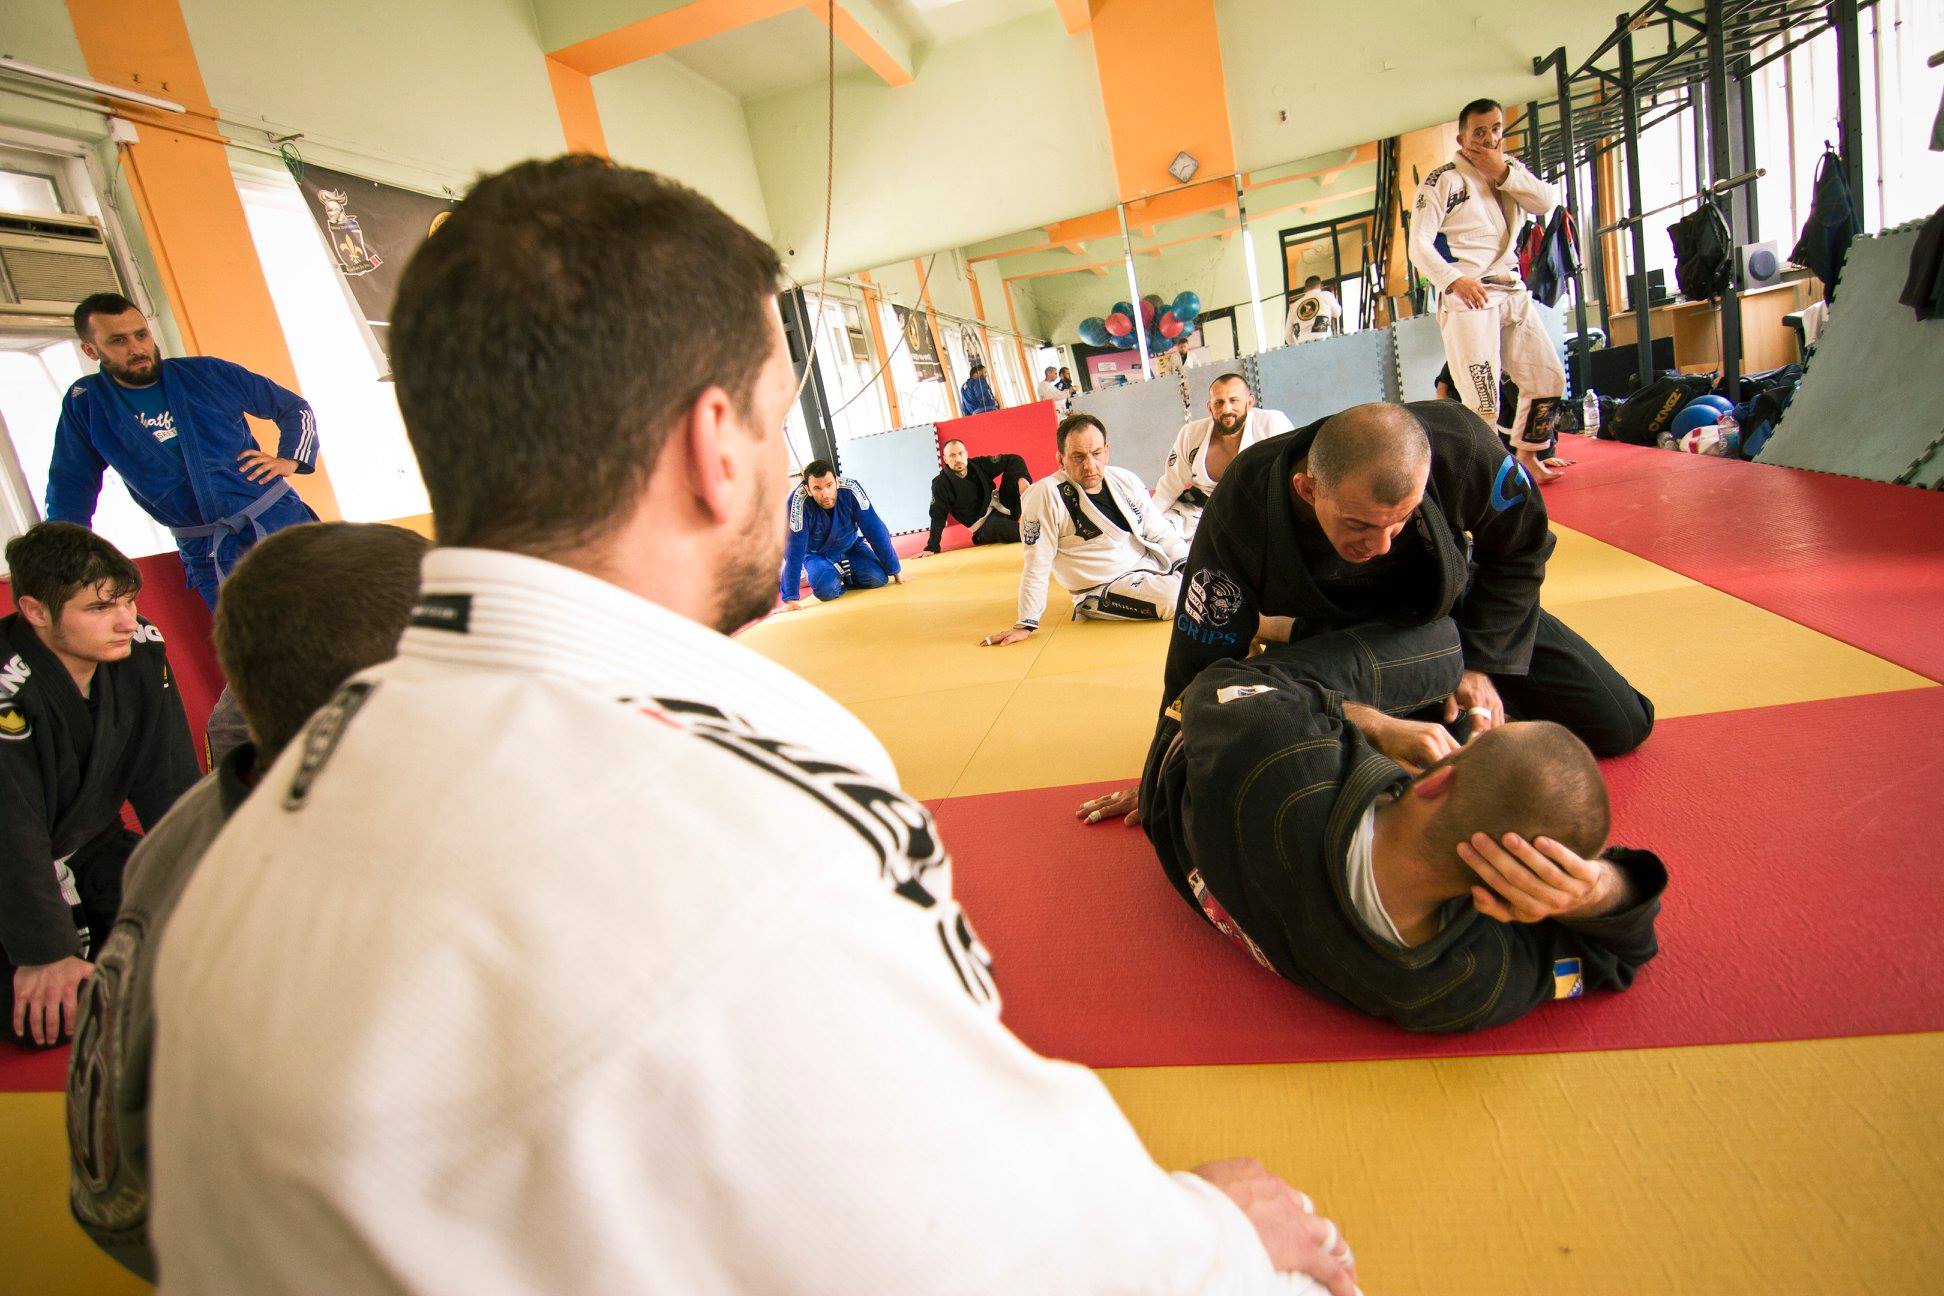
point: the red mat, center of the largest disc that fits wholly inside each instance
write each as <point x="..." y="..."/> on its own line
<point x="1804" y="904"/>
<point x="1025" y="430"/>
<point x="32" y="1070"/>
<point x="1859" y="561"/>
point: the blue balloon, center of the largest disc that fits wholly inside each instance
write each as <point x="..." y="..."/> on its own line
<point x="1187" y="301"/>
<point x="1698" y="413"/>
<point x="1093" y="331"/>
<point x="1125" y="341"/>
<point x="1183" y="314"/>
<point x="1125" y="308"/>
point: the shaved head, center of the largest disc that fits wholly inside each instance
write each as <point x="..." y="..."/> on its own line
<point x="1535" y="779"/>
<point x="1379" y="449"/>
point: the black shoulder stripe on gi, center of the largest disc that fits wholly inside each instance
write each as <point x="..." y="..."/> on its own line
<point x="1437" y="173"/>
<point x="1082" y="524"/>
<point x="321" y="738"/>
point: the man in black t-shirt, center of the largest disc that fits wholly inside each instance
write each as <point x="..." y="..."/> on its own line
<point x="980" y="494"/>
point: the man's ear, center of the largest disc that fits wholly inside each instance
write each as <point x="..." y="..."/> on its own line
<point x="88" y="350"/>
<point x="1305" y="487"/>
<point x="35" y="611"/>
<point x="707" y="440"/>
<point x="1436" y="785"/>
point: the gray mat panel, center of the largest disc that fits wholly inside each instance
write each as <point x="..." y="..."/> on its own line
<point x="1317" y="379"/>
<point x="896" y="470"/>
<point x="1872" y="400"/>
<point x="1141" y="420"/>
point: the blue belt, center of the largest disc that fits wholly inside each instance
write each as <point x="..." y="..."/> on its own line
<point x="233" y="525"/>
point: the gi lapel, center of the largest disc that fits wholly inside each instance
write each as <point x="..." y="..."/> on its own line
<point x="1084" y="524"/>
<point x="1507" y="208"/>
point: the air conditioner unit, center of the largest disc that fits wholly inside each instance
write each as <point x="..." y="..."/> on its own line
<point x="1759" y="264"/>
<point x="49" y="263"/>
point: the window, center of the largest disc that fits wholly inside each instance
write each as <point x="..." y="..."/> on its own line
<point x="359" y="429"/>
<point x="28" y="191"/>
<point x="915" y="366"/>
<point x="848" y="369"/>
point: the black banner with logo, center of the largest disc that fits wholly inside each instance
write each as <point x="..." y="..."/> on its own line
<point x="372" y="229"/>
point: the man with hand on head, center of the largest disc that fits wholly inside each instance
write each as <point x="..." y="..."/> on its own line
<point x="980" y="494"/>
<point x="437" y="1014"/>
<point x="1464" y="225"/>
<point x="1204" y="448"/>
<point x="90" y="718"/>
<point x="303" y="612"/>
<point x="174" y="430"/>
<point x="1400" y="514"/>
<point x="1371" y="860"/>
<point x="837" y="540"/>
<point x="1092" y="527"/>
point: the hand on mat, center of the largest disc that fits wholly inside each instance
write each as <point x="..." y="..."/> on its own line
<point x="1529" y="882"/>
<point x="1125" y="802"/>
<point x="1413" y="744"/>
<point x="1478" y="697"/>
<point x="922" y="553"/>
<point x="1469" y="291"/>
<point x="897" y="578"/>
<point x="1488" y="162"/>
<point x="44" y="1008"/>
<point x="1018" y="634"/>
<point x="1297" y="1239"/>
<point x="260" y="467"/>
<point x="791" y="605"/>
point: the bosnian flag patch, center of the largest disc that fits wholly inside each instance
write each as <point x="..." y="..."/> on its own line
<point x="1568" y="980"/>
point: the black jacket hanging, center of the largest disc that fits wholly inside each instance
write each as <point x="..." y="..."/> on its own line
<point x="1704" y="252"/>
<point x="1831" y="225"/>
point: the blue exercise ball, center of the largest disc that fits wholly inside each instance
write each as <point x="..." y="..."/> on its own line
<point x="1695" y="414"/>
<point x="1720" y="402"/>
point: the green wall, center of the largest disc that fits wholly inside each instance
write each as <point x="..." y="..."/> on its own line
<point x="659" y="115"/>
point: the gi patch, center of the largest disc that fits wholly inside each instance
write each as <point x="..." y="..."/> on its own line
<point x="1212" y="599"/>
<point x="1484" y="387"/>
<point x="14" y="723"/>
<point x="797" y="497"/>
<point x="1218" y="917"/>
<point x="1029" y="533"/>
<point x="850" y="484"/>
<point x="1306" y="308"/>
<point x="443" y="612"/>
<point x="1236" y="692"/>
<point x="1510" y="477"/>
<point x="13" y="673"/>
<point x="1569" y="982"/>
<point x="1457" y="198"/>
<point x="322" y="736"/>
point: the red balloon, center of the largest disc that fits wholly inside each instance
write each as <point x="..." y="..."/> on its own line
<point x="1119" y="325"/>
<point x="1147" y="312"/>
<point x="1170" y="326"/>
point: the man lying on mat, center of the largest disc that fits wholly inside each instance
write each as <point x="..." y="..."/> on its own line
<point x="1404" y="515"/>
<point x="1370" y="859"/>
<point x="1094" y="529"/>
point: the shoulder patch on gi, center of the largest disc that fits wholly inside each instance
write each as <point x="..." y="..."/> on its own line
<point x="14" y="724"/>
<point x="1212" y="598"/>
<point x="1029" y="532"/>
<point x="1457" y="198"/>
<point x="1509" y="488"/>
<point x="322" y="736"/>
<point x="13" y="674"/>
<point x="77" y="392"/>
<point x="850" y="484"/>
<point x="1236" y="692"/>
<point x="1438" y="172"/>
<point x="796" y="508"/>
<point x="1569" y="982"/>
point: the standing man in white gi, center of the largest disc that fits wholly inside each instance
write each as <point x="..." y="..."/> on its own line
<point x="1093" y="528"/>
<point x="1464" y="225"/>
<point x="1204" y="447"/>
<point x="582" y="949"/>
<point x="1316" y="313"/>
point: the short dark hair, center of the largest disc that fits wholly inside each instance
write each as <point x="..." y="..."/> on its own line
<point x="50" y="562"/>
<point x="1314" y="281"/>
<point x="1534" y="779"/>
<point x="977" y="368"/>
<point x="1231" y="376"/>
<point x="551" y="333"/>
<point x="953" y="442"/>
<point x="1476" y="108"/>
<point x="305" y="610"/>
<point x="817" y="468"/>
<point x="101" y="303"/>
<point x="1072" y="423"/>
<point x="1380" y="445"/>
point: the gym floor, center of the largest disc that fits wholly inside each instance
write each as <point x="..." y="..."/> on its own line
<point x="1759" y="1114"/>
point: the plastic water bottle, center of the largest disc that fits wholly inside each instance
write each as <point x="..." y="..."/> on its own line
<point x="1590" y="414"/>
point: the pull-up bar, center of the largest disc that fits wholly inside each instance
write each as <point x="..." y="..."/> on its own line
<point x="1715" y="190"/>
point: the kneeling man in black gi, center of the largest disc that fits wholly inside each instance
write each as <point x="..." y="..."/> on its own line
<point x="1280" y="796"/>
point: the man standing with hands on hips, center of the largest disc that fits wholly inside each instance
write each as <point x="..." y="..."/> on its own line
<point x="1463" y="229"/>
<point x="174" y="430"/>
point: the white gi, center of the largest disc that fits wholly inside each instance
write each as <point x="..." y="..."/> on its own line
<point x="1113" y="575"/>
<point x="1185" y="485"/>
<point x="1315" y="314"/>
<point x="579" y="950"/>
<point x="1479" y="224"/>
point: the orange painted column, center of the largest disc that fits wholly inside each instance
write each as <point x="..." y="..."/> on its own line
<point x="872" y="309"/>
<point x="978" y="308"/>
<point x="186" y="198"/>
<point x="580" y="116"/>
<point x="938" y="339"/>
<point x="1155" y="52"/>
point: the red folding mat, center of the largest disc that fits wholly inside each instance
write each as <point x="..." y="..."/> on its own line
<point x="1859" y="561"/>
<point x="1804" y="903"/>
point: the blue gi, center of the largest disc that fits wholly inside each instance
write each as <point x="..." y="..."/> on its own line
<point x="844" y="545"/>
<point x="175" y="445"/>
<point x="975" y="396"/>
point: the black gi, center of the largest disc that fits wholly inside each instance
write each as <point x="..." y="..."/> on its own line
<point x="1475" y="550"/>
<point x="1252" y="797"/>
<point x="67" y="763"/>
<point x="988" y="479"/>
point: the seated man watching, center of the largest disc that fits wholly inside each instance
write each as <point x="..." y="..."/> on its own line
<point x="303" y="611"/>
<point x="89" y="718"/>
<point x="1284" y="799"/>
<point x="979" y="494"/>
<point x="1093" y="528"/>
<point x="1205" y="447"/>
<point x="837" y="541"/>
